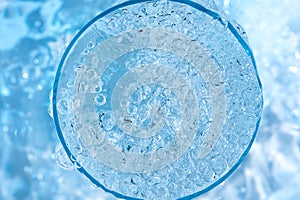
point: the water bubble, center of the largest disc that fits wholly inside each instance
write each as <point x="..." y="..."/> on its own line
<point x="5" y="129"/>
<point x="100" y="99"/>
<point x="25" y="75"/>
<point x="76" y="103"/>
<point x="127" y="125"/>
<point x="62" y="160"/>
<point x="223" y="21"/>
<point x="40" y="56"/>
<point x="63" y="107"/>
<point x="91" y="74"/>
<point x="124" y="103"/>
<point x="70" y="83"/>
<point x="108" y="121"/>
<point x="90" y="45"/>
<point x="132" y="109"/>
<point x="135" y="96"/>
<point x="75" y="163"/>
<point x="87" y="137"/>
<point x="83" y="87"/>
<point x="77" y="148"/>
<point x="85" y="52"/>
<point x="99" y="139"/>
<point x="4" y="90"/>
<point x="96" y="89"/>
<point x="80" y="67"/>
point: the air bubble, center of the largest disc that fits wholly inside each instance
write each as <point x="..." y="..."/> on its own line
<point x="136" y="96"/>
<point x="25" y="75"/>
<point x="40" y="56"/>
<point x="127" y="125"/>
<point x="91" y="74"/>
<point x="76" y="103"/>
<point x="86" y="137"/>
<point x="90" y="45"/>
<point x="70" y="83"/>
<point x="96" y="89"/>
<point x="132" y="109"/>
<point x="98" y="139"/>
<point x="108" y="122"/>
<point x="62" y="107"/>
<point x="83" y="87"/>
<point x="124" y="103"/>
<point x="77" y="148"/>
<point x="100" y="99"/>
<point x="62" y="160"/>
<point x="85" y="52"/>
<point x="223" y="21"/>
<point x="75" y="163"/>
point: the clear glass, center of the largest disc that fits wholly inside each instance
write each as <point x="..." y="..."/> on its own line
<point x="165" y="99"/>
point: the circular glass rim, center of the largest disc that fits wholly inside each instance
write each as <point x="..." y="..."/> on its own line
<point x="211" y="13"/>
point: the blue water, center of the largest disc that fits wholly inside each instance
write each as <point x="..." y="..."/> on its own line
<point x="34" y="35"/>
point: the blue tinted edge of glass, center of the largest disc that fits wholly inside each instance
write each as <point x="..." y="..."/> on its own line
<point x="197" y="6"/>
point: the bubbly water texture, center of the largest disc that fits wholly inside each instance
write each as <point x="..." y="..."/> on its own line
<point x="194" y="88"/>
<point x="30" y="55"/>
